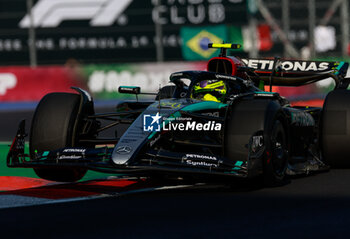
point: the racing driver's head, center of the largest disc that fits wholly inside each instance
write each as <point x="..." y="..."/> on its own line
<point x="209" y="90"/>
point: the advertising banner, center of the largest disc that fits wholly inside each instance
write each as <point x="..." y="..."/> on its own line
<point x="103" y="81"/>
<point x="102" y="31"/>
<point x="27" y="84"/>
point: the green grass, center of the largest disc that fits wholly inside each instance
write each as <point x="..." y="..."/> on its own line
<point x="28" y="172"/>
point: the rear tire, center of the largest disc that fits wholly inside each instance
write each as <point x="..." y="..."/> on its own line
<point x="335" y="129"/>
<point x="53" y="127"/>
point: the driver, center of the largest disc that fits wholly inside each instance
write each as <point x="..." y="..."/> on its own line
<point x="210" y="90"/>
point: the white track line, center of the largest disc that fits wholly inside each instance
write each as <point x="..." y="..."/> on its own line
<point x="15" y="201"/>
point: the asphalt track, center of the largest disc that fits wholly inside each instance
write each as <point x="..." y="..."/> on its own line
<point x="315" y="206"/>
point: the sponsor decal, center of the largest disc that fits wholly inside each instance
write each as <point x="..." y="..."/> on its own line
<point x="70" y="157"/>
<point x="176" y="74"/>
<point x="49" y="13"/>
<point x="225" y="77"/>
<point x="123" y="150"/>
<point x="289" y="65"/>
<point x="200" y="163"/>
<point x="152" y="142"/>
<point x="213" y="114"/>
<point x="262" y="94"/>
<point x="74" y="150"/>
<point x="257" y="143"/>
<point x="259" y="64"/>
<point x="128" y="140"/>
<point x="195" y="160"/>
<point x="199" y="156"/>
<point x="7" y="81"/>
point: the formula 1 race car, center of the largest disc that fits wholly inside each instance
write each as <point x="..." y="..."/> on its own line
<point x="218" y="122"/>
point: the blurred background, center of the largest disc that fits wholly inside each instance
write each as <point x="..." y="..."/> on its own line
<point x="50" y="45"/>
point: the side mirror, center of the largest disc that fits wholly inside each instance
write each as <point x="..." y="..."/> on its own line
<point x="136" y="90"/>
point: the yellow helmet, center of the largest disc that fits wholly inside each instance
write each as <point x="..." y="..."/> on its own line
<point x="211" y="90"/>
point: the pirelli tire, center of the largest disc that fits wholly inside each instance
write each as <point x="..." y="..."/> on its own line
<point x="335" y="129"/>
<point x="259" y="115"/>
<point x="55" y="125"/>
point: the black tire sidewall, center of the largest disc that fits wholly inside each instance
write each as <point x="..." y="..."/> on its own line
<point x="335" y="131"/>
<point x="53" y="128"/>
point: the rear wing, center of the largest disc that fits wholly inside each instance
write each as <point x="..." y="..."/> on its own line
<point x="296" y="72"/>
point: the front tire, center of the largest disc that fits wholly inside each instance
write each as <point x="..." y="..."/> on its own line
<point x="55" y="125"/>
<point x="249" y="117"/>
<point x="276" y="158"/>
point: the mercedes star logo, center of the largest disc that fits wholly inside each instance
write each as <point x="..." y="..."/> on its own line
<point x="123" y="150"/>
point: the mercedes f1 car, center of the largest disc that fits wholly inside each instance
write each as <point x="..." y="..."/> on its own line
<point x="218" y="122"/>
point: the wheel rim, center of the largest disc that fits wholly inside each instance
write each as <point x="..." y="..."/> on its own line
<point x="279" y="155"/>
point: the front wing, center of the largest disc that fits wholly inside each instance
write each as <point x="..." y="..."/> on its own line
<point x="100" y="159"/>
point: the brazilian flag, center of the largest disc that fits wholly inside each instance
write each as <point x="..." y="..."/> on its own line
<point x="236" y="36"/>
<point x="196" y="39"/>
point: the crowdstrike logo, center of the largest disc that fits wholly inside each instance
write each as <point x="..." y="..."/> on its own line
<point x="50" y="13"/>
